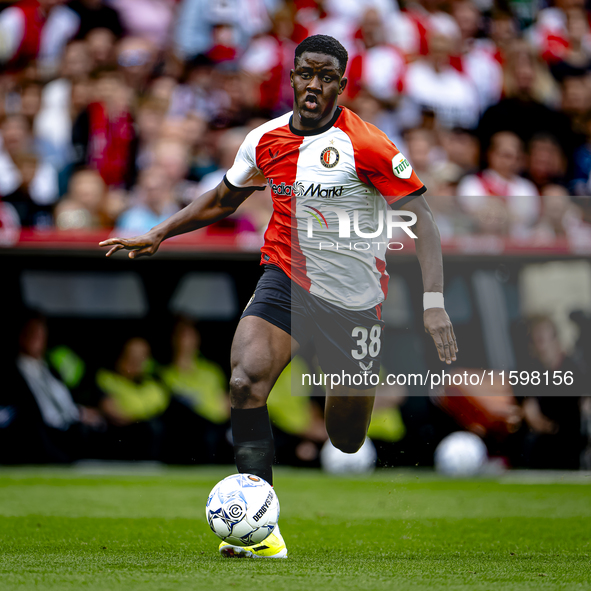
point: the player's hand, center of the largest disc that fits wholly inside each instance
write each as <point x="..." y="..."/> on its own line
<point x="144" y="245"/>
<point x="438" y="325"/>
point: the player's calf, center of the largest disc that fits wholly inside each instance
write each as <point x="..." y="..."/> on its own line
<point x="260" y="352"/>
<point x="254" y="449"/>
<point x="347" y="418"/>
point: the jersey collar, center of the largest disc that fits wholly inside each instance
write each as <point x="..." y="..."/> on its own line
<point x="319" y="130"/>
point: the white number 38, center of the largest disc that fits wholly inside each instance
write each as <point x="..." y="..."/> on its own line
<point x="361" y="333"/>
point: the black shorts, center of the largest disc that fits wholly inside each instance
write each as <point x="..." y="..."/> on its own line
<point x="347" y="342"/>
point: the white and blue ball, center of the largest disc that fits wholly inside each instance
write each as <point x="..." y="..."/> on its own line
<point x="461" y="454"/>
<point x="242" y="509"/>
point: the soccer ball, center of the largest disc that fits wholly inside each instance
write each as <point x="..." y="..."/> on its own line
<point x="460" y="454"/>
<point x="334" y="461"/>
<point x="242" y="509"/>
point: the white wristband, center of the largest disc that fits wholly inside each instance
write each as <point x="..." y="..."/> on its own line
<point x="433" y="299"/>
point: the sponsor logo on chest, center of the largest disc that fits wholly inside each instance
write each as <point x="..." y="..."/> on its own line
<point x="299" y="189"/>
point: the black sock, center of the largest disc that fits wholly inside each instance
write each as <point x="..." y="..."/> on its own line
<point x="254" y="449"/>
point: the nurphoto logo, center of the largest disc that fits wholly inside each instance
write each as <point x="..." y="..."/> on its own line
<point x="389" y="220"/>
<point x="344" y="222"/>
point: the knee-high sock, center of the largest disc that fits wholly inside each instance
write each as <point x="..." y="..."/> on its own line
<point x="254" y="449"/>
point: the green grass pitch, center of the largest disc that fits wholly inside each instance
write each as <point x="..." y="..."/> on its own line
<point x="70" y="529"/>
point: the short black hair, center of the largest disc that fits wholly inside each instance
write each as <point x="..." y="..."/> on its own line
<point x="323" y="44"/>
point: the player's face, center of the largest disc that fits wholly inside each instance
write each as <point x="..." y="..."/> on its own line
<point x="316" y="83"/>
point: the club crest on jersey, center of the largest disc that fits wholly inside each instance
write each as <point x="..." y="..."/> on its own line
<point x="329" y="157"/>
<point x="401" y="166"/>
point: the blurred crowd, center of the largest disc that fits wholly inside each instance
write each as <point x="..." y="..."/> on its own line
<point x="56" y="407"/>
<point x="116" y="113"/>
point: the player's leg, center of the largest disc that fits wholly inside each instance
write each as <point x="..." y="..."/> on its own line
<point x="261" y="349"/>
<point x="260" y="352"/>
<point x="349" y="344"/>
<point x="347" y="415"/>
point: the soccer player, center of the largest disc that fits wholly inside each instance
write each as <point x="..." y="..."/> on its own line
<point x="321" y="162"/>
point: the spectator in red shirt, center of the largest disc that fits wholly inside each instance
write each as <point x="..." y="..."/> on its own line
<point x="378" y="67"/>
<point x="268" y="62"/>
<point x="21" y="28"/>
<point x="103" y="135"/>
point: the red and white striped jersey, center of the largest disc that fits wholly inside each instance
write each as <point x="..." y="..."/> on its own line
<point x="315" y="176"/>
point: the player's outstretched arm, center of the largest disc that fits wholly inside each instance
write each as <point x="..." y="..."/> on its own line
<point x="210" y="207"/>
<point x="428" y="247"/>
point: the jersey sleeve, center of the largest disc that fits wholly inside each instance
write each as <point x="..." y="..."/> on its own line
<point x="244" y="173"/>
<point x="379" y="163"/>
